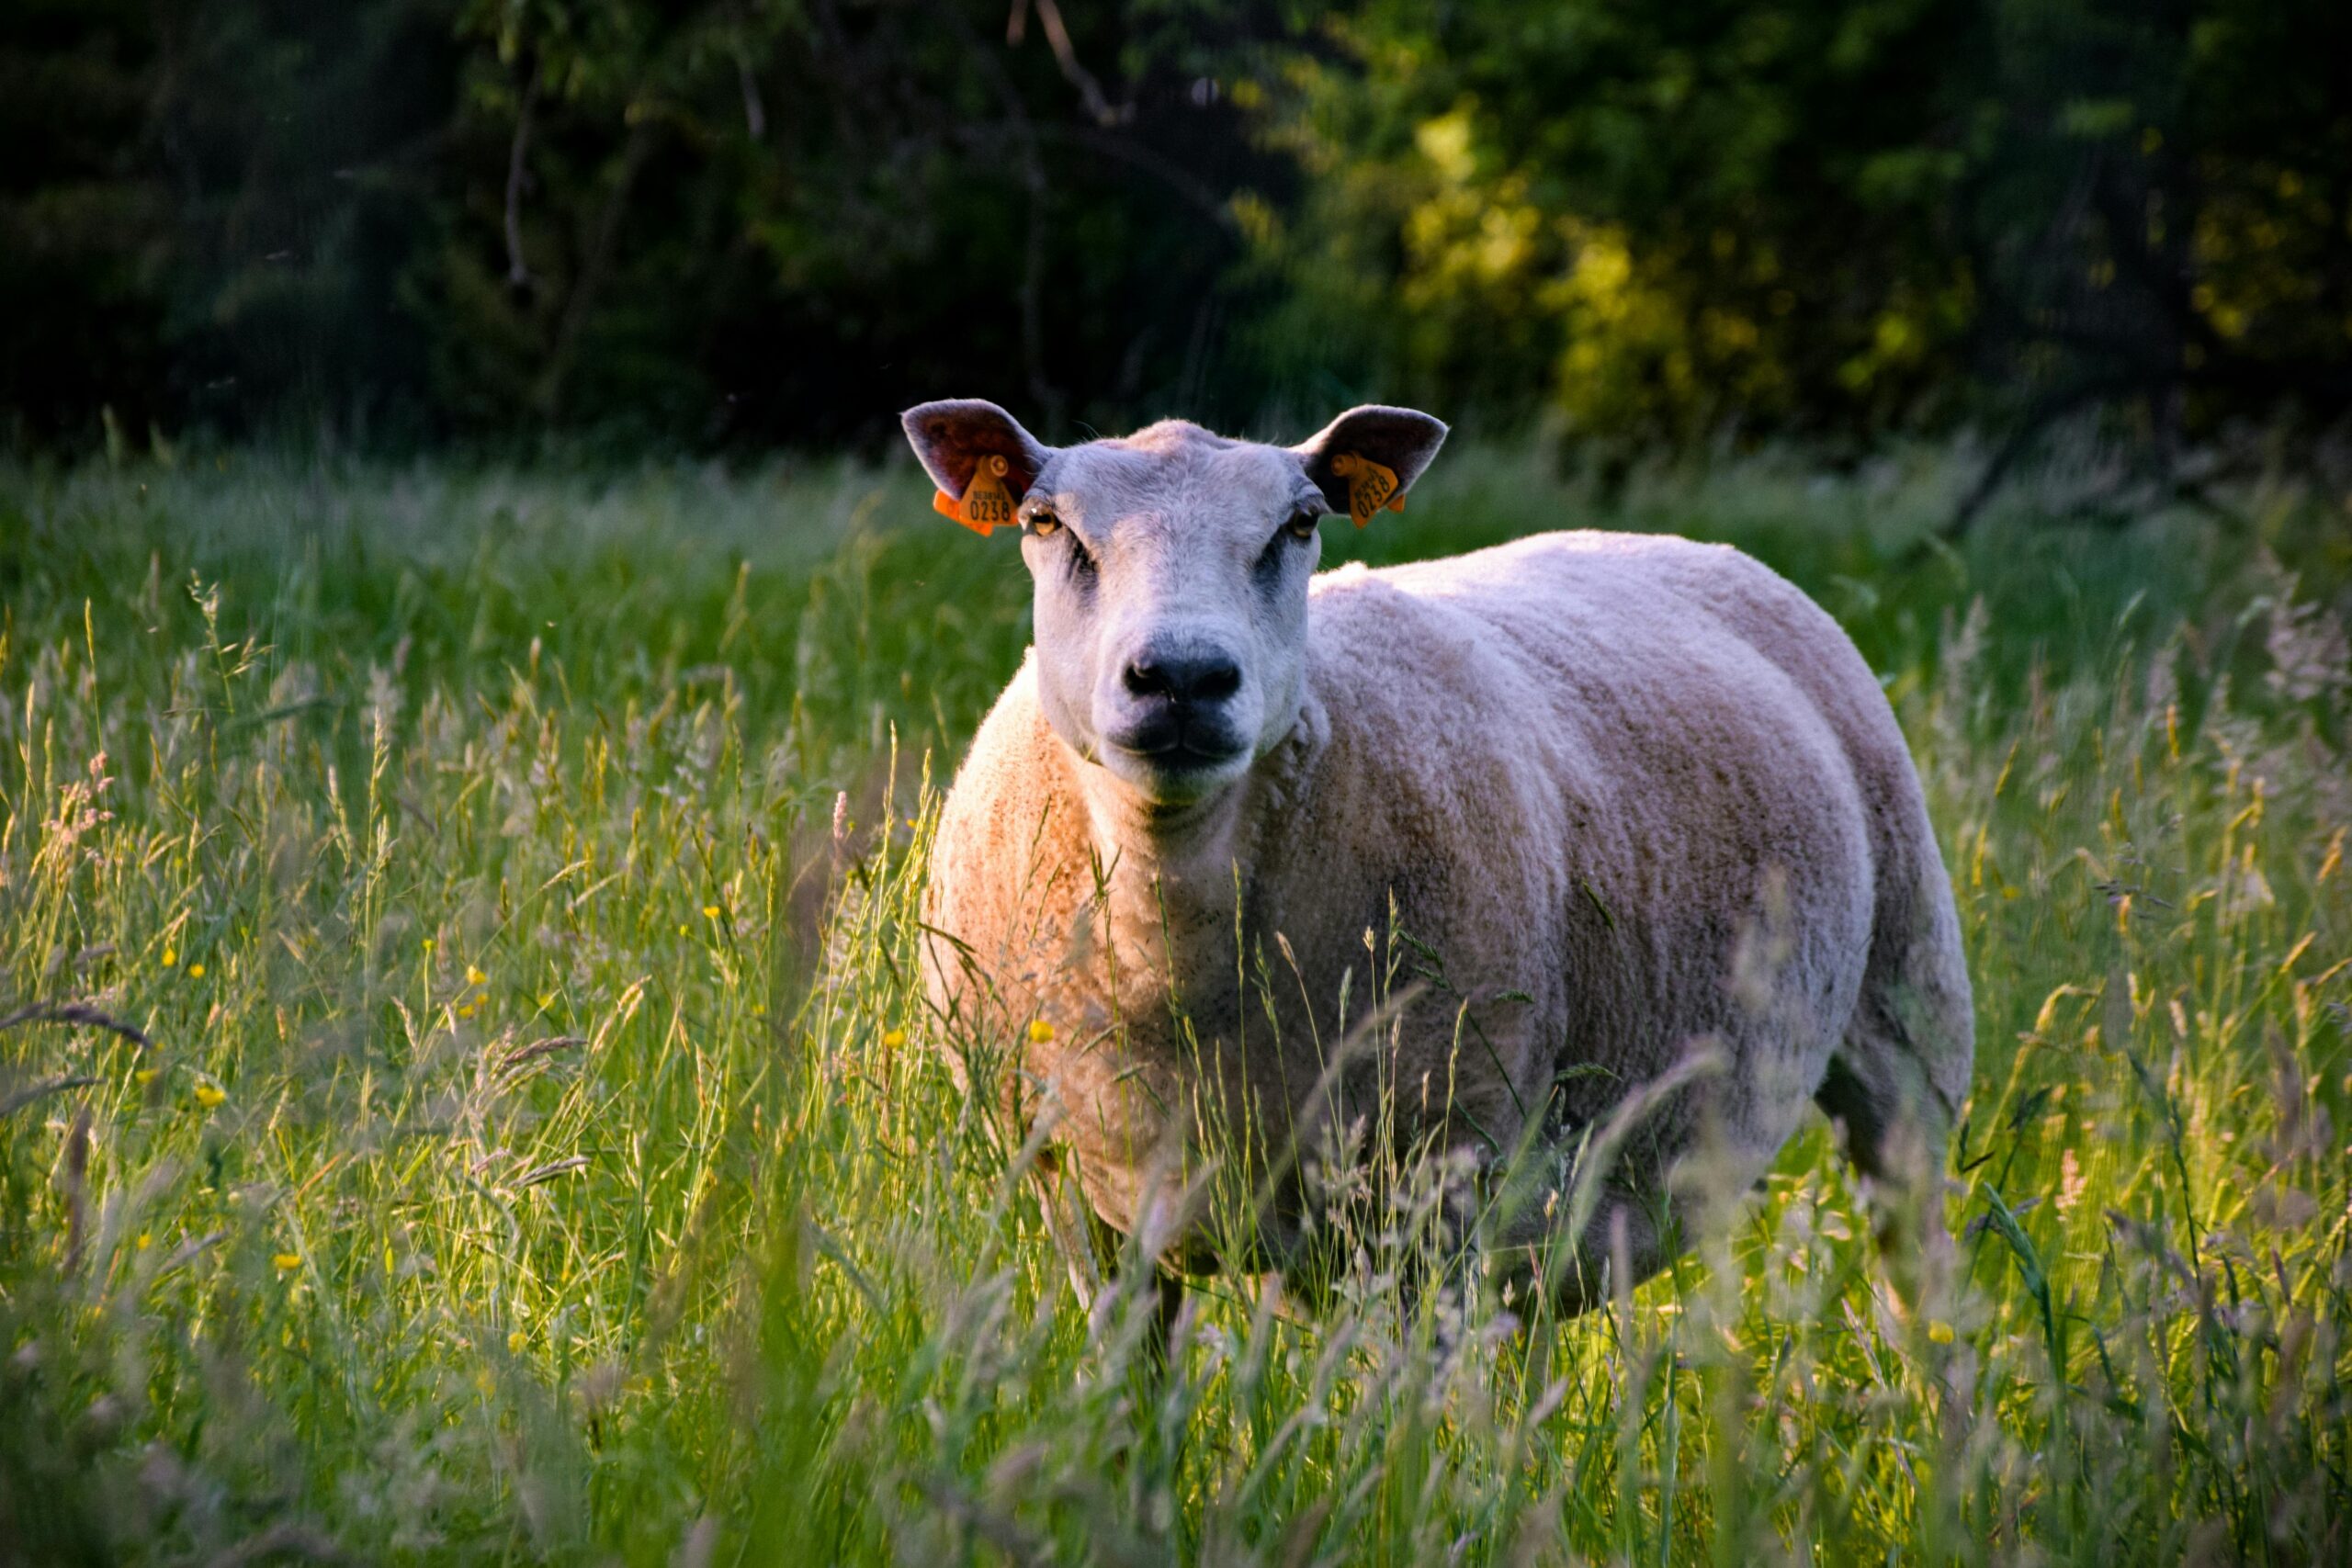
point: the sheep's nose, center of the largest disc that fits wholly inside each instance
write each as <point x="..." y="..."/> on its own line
<point x="1185" y="680"/>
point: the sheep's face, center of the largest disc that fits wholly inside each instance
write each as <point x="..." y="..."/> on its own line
<point x="1170" y="575"/>
<point x="1170" y="569"/>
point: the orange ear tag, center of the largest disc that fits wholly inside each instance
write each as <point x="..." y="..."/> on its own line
<point x="1370" y="486"/>
<point x="986" y="504"/>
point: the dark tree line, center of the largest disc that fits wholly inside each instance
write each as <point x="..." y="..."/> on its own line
<point x="745" y="223"/>
<point x="711" y="223"/>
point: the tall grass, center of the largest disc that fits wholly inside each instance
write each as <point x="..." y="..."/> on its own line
<point x="468" y="1095"/>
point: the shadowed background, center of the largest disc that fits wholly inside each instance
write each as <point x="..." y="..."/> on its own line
<point x="738" y="224"/>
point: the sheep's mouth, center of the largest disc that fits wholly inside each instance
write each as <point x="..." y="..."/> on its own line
<point x="1175" y="747"/>
<point x="1178" y="777"/>
<point x="1183" y="756"/>
<point x="1190" y="759"/>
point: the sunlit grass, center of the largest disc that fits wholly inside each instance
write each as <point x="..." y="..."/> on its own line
<point x="526" y="1137"/>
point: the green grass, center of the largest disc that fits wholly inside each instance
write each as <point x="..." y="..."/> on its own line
<point x="540" y="1152"/>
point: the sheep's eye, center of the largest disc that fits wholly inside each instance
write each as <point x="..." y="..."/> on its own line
<point x="1045" y="525"/>
<point x="1303" y="524"/>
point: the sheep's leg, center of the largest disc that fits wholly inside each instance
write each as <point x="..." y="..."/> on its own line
<point x="1626" y="1242"/>
<point x="1896" y="1133"/>
<point x="1166" y="1300"/>
<point x="1092" y="1254"/>
<point x="1629" y="1237"/>
<point x="1168" y="1288"/>
<point x="1897" y="1079"/>
<point x="1167" y="1304"/>
<point x="1074" y="1228"/>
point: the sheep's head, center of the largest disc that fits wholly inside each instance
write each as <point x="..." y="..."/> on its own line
<point x="1170" y="570"/>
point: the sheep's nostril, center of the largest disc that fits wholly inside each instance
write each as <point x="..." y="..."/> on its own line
<point x="1216" y="680"/>
<point x="1144" y="678"/>
<point x="1185" y="681"/>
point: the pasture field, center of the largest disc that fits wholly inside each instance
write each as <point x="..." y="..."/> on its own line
<point x="465" y="1095"/>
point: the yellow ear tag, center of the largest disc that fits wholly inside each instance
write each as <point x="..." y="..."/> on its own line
<point x="1370" y="486"/>
<point x="986" y="504"/>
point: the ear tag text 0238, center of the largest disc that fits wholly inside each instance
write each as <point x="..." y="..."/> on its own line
<point x="986" y="505"/>
<point x="1370" y="486"/>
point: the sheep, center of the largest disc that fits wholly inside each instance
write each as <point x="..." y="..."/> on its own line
<point x="1637" y="800"/>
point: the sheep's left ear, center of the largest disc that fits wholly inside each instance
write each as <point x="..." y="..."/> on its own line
<point x="979" y="455"/>
<point x="1369" y="457"/>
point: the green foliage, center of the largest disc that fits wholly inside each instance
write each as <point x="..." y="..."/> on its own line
<point x="724" y="222"/>
<point x="746" y="222"/>
<point x="541" y="1150"/>
<point x="1666" y="217"/>
<point x="1839" y="219"/>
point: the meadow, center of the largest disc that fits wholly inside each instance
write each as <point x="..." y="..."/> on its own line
<point x="465" y="1094"/>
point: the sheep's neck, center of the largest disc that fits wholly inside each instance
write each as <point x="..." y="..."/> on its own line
<point x="1171" y="872"/>
<point x="1179" y="877"/>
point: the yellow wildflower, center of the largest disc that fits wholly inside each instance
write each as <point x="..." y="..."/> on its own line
<point x="710" y="911"/>
<point x="146" y="1075"/>
<point x="171" y="956"/>
<point x="1940" y="1331"/>
<point x="145" y="1241"/>
<point x="196" y="971"/>
<point x="474" y="977"/>
<point x="209" y="1096"/>
<point x="516" y="1340"/>
<point x="894" y="1038"/>
<point x="428" y="944"/>
<point x="285" y="1260"/>
<point x="1040" y="1032"/>
<point x="547" y="999"/>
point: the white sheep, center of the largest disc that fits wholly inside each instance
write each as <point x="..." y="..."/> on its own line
<point x="1636" y="796"/>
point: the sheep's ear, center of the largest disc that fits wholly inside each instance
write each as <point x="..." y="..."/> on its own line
<point x="978" y="456"/>
<point x="1369" y="457"/>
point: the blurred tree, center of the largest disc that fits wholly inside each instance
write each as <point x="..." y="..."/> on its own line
<point x="2160" y="208"/>
<point x="210" y="206"/>
<point x="747" y="221"/>
<point x="84" y="226"/>
<point x="1825" y="217"/>
<point x="1665" y="216"/>
<point x="782" y="220"/>
<point x="730" y="220"/>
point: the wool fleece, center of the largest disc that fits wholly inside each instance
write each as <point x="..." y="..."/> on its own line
<point x="1502" y="844"/>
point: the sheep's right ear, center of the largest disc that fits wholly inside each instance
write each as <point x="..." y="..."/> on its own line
<point x="1369" y="457"/>
<point x="978" y="455"/>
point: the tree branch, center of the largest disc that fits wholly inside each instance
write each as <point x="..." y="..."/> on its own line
<point x="592" y="271"/>
<point x="1090" y="91"/>
<point x="2046" y="411"/>
<point x="518" y="275"/>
